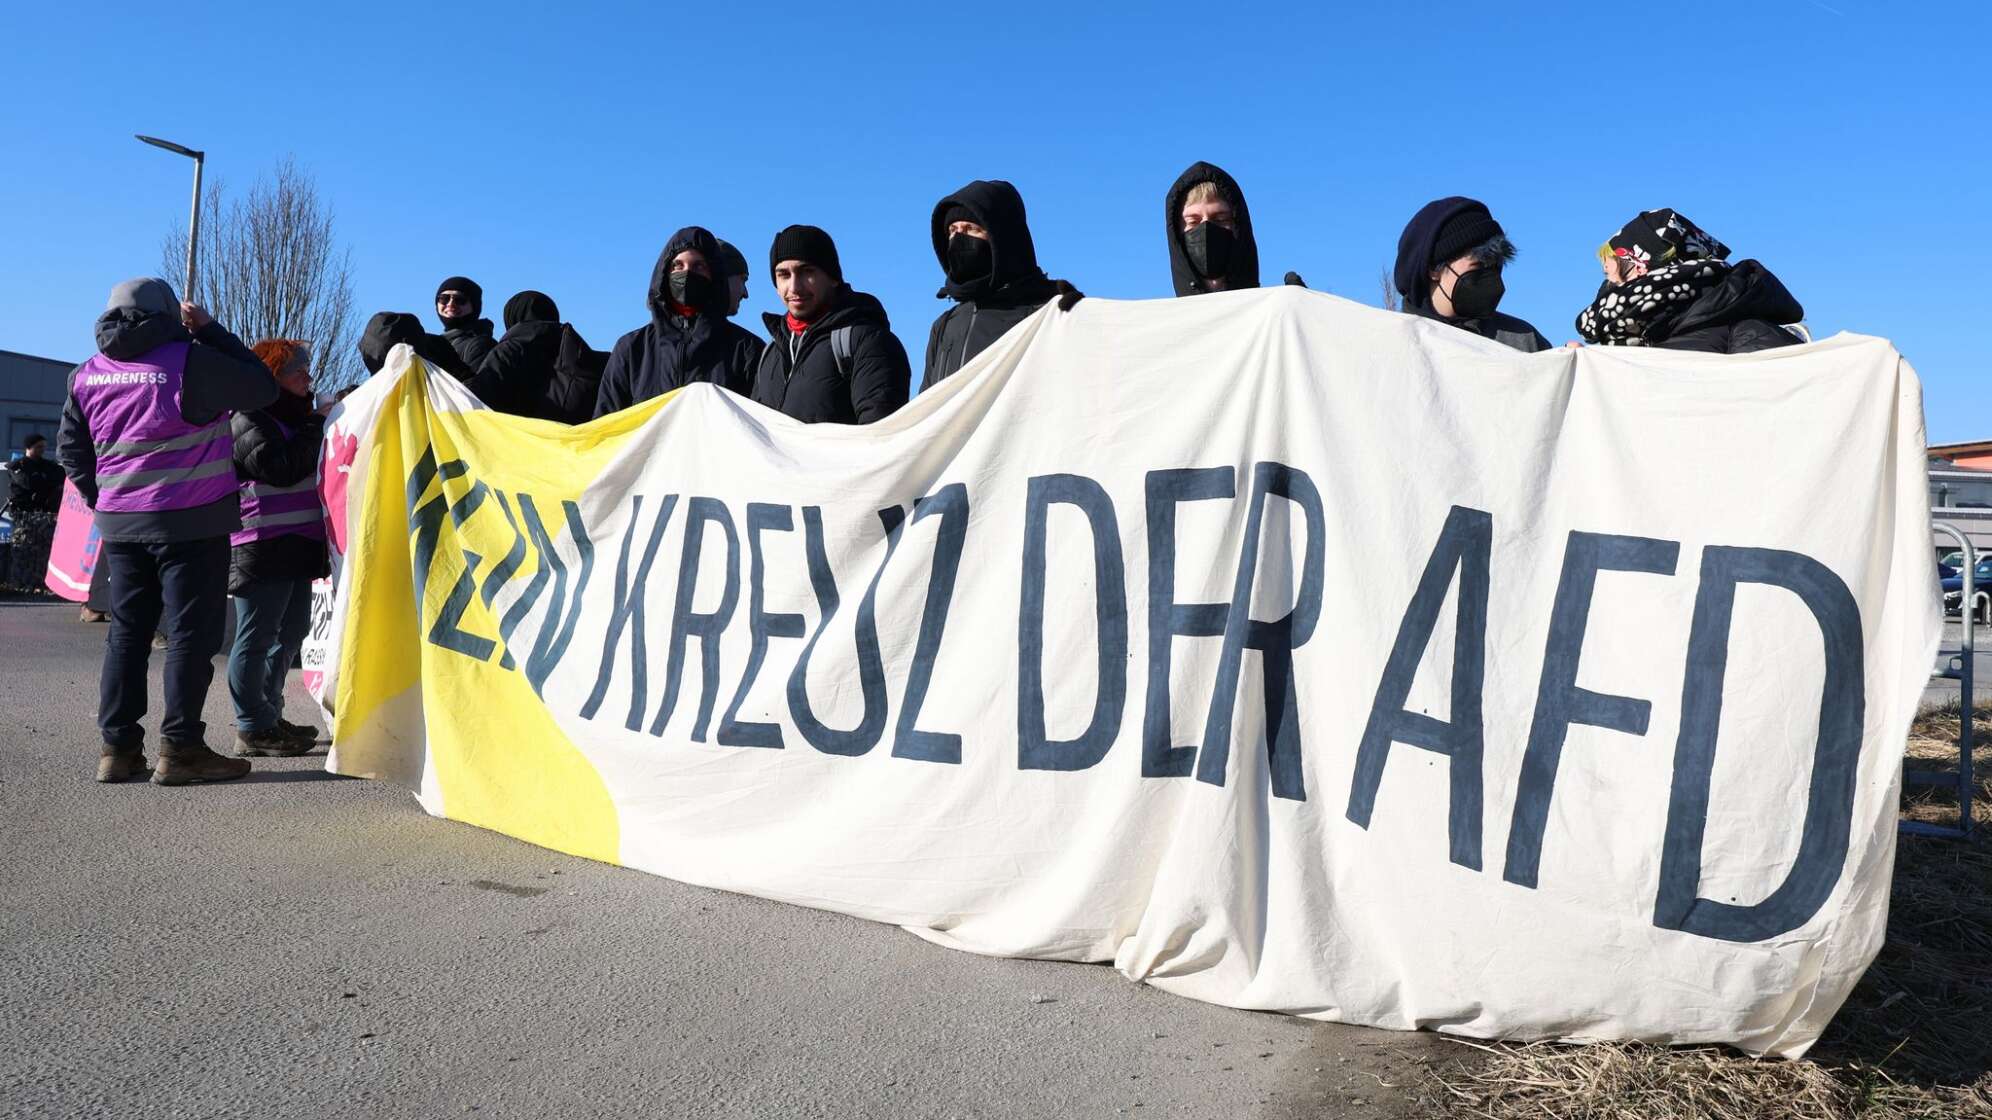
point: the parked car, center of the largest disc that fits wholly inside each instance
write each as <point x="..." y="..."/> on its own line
<point x="1981" y="592"/>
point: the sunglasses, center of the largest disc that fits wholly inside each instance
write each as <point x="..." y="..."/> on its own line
<point x="452" y="297"/>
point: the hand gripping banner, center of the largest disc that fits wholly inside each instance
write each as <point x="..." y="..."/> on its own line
<point x="1286" y="653"/>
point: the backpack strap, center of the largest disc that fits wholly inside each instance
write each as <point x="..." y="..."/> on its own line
<point x="840" y="349"/>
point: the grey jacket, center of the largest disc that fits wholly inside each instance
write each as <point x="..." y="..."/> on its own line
<point x="222" y="376"/>
<point x="1516" y="334"/>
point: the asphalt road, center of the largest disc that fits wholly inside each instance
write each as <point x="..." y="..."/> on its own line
<point x="296" y="944"/>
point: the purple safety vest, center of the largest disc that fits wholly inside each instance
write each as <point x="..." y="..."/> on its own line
<point x="272" y="511"/>
<point x="149" y="459"/>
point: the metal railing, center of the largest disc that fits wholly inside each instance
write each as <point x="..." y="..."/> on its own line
<point x="1959" y="670"/>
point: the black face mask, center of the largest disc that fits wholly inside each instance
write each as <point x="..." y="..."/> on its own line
<point x="969" y="259"/>
<point x="689" y="289"/>
<point x="1209" y="247"/>
<point x="1476" y="294"/>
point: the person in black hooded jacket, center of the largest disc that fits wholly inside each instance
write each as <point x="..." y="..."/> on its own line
<point x="984" y="245"/>
<point x="834" y="358"/>
<point x="1669" y="284"/>
<point x="542" y="367"/>
<point x="1211" y="248"/>
<point x="1449" y="264"/>
<point x="388" y="329"/>
<point x="459" y="302"/>
<point x="688" y="337"/>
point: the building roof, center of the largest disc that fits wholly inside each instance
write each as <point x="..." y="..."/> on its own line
<point x="1953" y="450"/>
<point x="27" y="378"/>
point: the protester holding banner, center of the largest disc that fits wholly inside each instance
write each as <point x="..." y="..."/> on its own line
<point x="278" y="551"/>
<point x="984" y="245"/>
<point x="834" y="358"/>
<point x="1449" y="263"/>
<point x="388" y="329"/>
<point x="688" y="338"/>
<point x="1211" y="248"/>
<point x="542" y="367"/>
<point x="459" y="304"/>
<point x="145" y="438"/>
<point x="733" y="266"/>
<point x="1669" y="284"/>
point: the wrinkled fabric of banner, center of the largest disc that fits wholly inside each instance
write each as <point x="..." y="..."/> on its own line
<point x="1287" y="653"/>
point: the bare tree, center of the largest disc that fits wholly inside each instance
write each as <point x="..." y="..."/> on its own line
<point x="268" y="267"/>
<point x="1391" y="302"/>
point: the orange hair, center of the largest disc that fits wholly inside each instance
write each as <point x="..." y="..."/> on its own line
<point x="280" y="353"/>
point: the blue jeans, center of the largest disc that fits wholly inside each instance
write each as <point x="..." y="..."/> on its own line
<point x="271" y="620"/>
<point x="180" y="589"/>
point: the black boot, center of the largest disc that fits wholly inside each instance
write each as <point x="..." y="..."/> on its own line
<point x="272" y="741"/>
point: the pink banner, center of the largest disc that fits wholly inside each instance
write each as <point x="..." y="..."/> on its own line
<point x="72" y="556"/>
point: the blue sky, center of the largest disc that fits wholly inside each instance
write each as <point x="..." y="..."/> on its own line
<point x="1842" y="142"/>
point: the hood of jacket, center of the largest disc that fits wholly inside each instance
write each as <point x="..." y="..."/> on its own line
<point x="1412" y="274"/>
<point x="658" y="299"/>
<point x="1014" y="275"/>
<point x="541" y="336"/>
<point x="530" y="307"/>
<point x="853" y="308"/>
<point x="389" y="328"/>
<point x="1244" y="270"/>
<point x="1750" y="291"/>
<point x="124" y="333"/>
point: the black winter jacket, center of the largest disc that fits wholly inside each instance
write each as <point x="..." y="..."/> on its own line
<point x="263" y="453"/>
<point x="542" y="369"/>
<point x="672" y="351"/>
<point x="1244" y="270"/>
<point x="799" y="374"/>
<point x="471" y="342"/>
<point x="986" y="307"/>
<point x="34" y="485"/>
<point x="1743" y="313"/>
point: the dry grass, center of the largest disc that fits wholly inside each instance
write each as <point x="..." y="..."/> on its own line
<point x="1628" y="1081"/>
<point x="1913" y="1041"/>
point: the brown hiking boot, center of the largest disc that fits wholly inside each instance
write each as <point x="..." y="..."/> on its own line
<point x="121" y="765"/>
<point x="274" y="742"/>
<point x="180" y="763"/>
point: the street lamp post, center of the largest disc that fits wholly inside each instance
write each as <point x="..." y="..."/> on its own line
<point x="194" y="221"/>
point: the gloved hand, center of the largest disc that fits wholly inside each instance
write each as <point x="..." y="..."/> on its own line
<point x="1068" y="296"/>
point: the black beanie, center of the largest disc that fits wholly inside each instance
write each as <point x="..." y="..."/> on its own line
<point x="958" y="213"/>
<point x="462" y="284"/>
<point x="1470" y="228"/>
<point x="809" y="245"/>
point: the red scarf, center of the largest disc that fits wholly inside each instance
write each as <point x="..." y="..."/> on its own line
<point x="679" y="309"/>
<point x="796" y="326"/>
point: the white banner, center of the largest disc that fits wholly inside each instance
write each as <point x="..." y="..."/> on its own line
<point x="1288" y="654"/>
